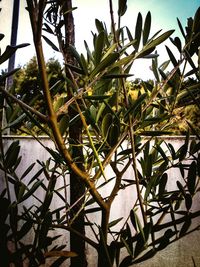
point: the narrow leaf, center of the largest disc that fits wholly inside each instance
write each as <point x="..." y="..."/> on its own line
<point x="49" y="42"/>
<point x="147" y="27"/>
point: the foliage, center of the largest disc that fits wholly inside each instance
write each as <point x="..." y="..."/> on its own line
<point x="116" y="123"/>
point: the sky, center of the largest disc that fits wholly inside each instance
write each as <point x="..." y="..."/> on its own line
<point x="164" y="14"/>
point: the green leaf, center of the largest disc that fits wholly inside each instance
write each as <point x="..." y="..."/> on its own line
<point x="113" y="135"/>
<point x="136" y="104"/>
<point x="44" y="230"/>
<point x="162" y="153"/>
<point x="16" y="121"/>
<point x="181" y="28"/>
<point x="48" y="29"/>
<point x="150" y="185"/>
<point x="10" y="50"/>
<point x="64" y="124"/>
<point x="154" y="133"/>
<point x="75" y="69"/>
<point x="84" y="64"/>
<point x="106" y="123"/>
<point x="89" y="53"/>
<point x="138" y="31"/>
<point x="49" y="42"/>
<point x="113" y="223"/>
<point x="122" y="7"/>
<point x="7" y="74"/>
<point x="117" y="75"/>
<point x="150" y="46"/>
<point x="96" y="97"/>
<point x="31" y="191"/>
<point x="177" y="42"/>
<point x="106" y="62"/>
<point x="155" y="70"/>
<point x="99" y="45"/>
<point x="74" y="52"/>
<point x="26" y="227"/>
<point x="173" y="59"/>
<point x="147" y="27"/>
<point x="12" y="154"/>
<point x="196" y="22"/>
<point x="191" y="180"/>
<point x="99" y="25"/>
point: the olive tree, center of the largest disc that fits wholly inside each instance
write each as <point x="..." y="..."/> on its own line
<point x="104" y="124"/>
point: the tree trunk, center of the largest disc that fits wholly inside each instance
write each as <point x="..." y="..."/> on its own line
<point x="77" y="188"/>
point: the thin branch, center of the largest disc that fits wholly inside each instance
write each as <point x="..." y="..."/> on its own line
<point x="24" y="105"/>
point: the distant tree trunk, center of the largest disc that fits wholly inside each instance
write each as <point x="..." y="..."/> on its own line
<point x="11" y="62"/>
<point x="77" y="188"/>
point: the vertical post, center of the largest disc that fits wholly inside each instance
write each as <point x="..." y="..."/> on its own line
<point x="11" y="62"/>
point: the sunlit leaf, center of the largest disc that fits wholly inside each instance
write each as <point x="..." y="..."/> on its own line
<point x="106" y="62"/>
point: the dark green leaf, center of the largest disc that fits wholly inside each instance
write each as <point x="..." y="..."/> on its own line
<point x="181" y="28"/>
<point x="108" y="61"/>
<point x="26" y="227"/>
<point x="113" y="135"/>
<point x="12" y="154"/>
<point x="136" y="104"/>
<point x="196" y="22"/>
<point x="10" y="50"/>
<point x="154" y="133"/>
<point x="106" y="123"/>
<point x="44" y="230"/>
<point x="117" y="75"/>
<point x="49" y="42"/>
<point x="99" y="45"/>
<point x="147" y="27"/>
<point x="138" y="31"/>
<point x="172" y="57"/>
<point x="113" y="223"/>
<point x="99" y="25"/>
<point x="31" y="191"/>
<point x="122" y="7"/>
<point x="48" y="28"/>
<point x="152" y="44"/>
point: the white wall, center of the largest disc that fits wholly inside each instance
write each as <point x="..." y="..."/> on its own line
<point x="179" y="253"/>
